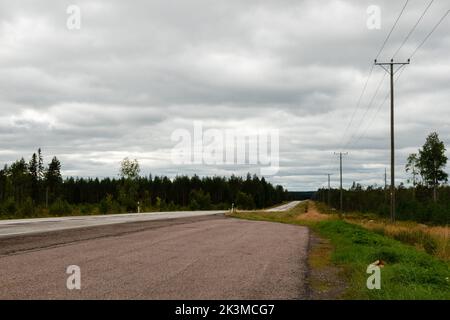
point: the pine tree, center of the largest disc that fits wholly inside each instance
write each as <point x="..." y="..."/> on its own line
<point x="34" y="174"/>
<point x="53" y="179"/>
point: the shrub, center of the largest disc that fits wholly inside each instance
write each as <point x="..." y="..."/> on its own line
<point x="9" y="207"/>
<point x="244" y="201"/>
<point x="429" y="244"/>
<point x="199" y="200"/>
<point x="107" y="205"/>
<point x="27" y="208"/>
<point x="386" y="254"/>
<point x="59" y="207"/>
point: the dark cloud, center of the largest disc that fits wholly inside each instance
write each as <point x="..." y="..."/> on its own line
<point x="136" y="72"/>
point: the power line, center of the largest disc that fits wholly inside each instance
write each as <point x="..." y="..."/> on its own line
<point x="401" y="71"/>
<point x="430" y="33"/>
<point x="367" y="109"/>
<point x="392" y="29"/>
<point x="413" y="28"/>
<point x="357" y="104"/>
<point x="368" y="77"/>
<point x="377" y="112"/>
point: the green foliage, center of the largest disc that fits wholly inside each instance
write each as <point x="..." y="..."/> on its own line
<point x="60" y="207"/>
<point x="200" y="200"/>
<point x="426" y="201"/>
<point x="108" y="205"/>
<point x="429" y="244"/>
<point x="25" y="184"/>
<point x="27" y="208"/>
<point x="432" y="160"/>
<point x="53" y="179"/>
<point x="128" y="195"/>
<point x="411" y="204"/>
<point x="408" y="274"/>
<point x="129" y="169"/>
<point x="8" y="207"/>
<point x="244" y="201"/>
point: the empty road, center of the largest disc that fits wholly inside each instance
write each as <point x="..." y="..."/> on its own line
<point x="197" y="257"/>
<point x="284" y="207"/>
<point x="39" y="225"/>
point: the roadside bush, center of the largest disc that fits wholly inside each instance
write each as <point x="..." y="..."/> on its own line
<point x="108" y="205"/>
<point x="244" y="201"/>
<point x="59" y="207"/>
<point x="429" y="244"/>
<point x="386" y="254"/>
<point x="9" y="207"/>
<point x="199" y="200"/>
<point x="27" y="208"/>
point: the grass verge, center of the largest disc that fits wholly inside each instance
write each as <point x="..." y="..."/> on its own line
<point x="408" y="273"/>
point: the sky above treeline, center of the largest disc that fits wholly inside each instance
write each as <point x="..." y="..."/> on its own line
<point x="135" y="72"/>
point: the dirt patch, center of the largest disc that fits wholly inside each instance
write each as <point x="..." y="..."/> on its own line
<point x="325" y="281"/>
<point x="313" y="214"/>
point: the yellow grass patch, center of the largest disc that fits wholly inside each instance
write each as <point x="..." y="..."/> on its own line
<point x="433" y="239"/>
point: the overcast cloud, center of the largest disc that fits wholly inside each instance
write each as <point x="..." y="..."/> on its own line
<point x="136" y="71"/>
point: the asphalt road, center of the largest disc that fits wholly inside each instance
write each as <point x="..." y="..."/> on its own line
<point x="284" y="207"/>
<point x="39" y="225"/>
<point x="198" y="257"/>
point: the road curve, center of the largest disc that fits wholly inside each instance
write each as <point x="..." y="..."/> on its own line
<point x="213" y="257"/>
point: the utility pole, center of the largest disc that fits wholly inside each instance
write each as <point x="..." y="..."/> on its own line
<point x="435" y="182"/>
<point x="329" y="189"/>
<point x="385" y="184"/>
<point x="391" y="72"/>
<point x="340" y="171"/>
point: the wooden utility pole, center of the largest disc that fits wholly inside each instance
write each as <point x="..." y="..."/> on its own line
<point x="340" y="173"/>
<point x="435" y="182"/>
<point x="391" y="72"/>
<point x="329" y="189"/>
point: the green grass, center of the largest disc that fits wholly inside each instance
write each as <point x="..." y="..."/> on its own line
<point x="407" y="274"/>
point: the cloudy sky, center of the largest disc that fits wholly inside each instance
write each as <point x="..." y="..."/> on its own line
<point x="137" y="71"/>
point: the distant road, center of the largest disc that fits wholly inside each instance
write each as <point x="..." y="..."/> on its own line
<point x="198" y="257"/>
<point x="284" y="207"/>
<point x="39" y="225"/>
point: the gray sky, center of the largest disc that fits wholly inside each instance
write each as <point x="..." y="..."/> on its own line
<point x="137" y="71"/>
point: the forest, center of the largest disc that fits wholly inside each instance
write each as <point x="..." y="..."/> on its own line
<point x="426" y="200"/>
<point x="32" y="189"/>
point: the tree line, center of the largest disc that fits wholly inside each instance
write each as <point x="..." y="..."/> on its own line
<point x="427" y="200"/>
<point x="30" y="188"/>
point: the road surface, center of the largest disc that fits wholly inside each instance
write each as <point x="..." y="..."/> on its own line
<point x="39" y="225"/>
<point x="284" y="207"/>
<point x="197" y="257"/>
